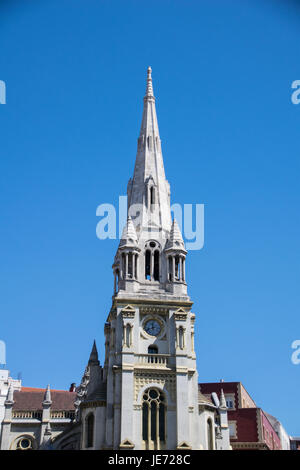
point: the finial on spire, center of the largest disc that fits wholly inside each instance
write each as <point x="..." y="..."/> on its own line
<point x="149" y="89"/>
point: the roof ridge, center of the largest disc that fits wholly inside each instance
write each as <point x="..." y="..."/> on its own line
<point x="33" y="389"/>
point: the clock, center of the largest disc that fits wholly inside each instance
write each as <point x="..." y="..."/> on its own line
<point x="152" y="327"/>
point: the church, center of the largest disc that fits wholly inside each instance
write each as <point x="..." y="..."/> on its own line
<point x="146" y="394"/>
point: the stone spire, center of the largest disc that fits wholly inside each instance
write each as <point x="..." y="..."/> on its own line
<point x="129" y="237"/>
<point x="47" y="396"/>
<point x="10" y="396"/>
<point x="149" y="191"/>
<point x="93" y="360"/>
<point x="223" y="405"/>
<point x="175" y="241"/>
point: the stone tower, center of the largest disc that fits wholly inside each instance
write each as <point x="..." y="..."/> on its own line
<point x="150" y="364"/>
<point x="146" y="394"/>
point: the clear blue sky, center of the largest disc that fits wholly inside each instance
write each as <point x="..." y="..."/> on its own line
<point x="75" y="77"/>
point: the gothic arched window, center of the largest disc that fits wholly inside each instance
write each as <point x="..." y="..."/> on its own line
<point x="170" y="273"/>
<point x="152" y="349"/>
<point x="123" y="266"/>
<point x="152" y="261"/>
<point x="130" y="265"/>
<point x="154" y="418"/>
<point x="90" y="430"/>
<point x="156" y="266"/>
<point x="152" y="195"/>
<point x="147" y="264"/>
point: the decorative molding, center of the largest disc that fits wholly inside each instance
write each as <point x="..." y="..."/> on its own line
<point x="180" y="314"/>
<point x="151" y="301"/>
<point x="128" y="367"/>
<point x="182" y="370"/>
<point x="128" y="312"/>
<point x="165" y="380"/>
<point x="93" y="404"/>
<point x="146" y="310"/>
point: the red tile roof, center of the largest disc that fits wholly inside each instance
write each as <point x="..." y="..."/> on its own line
<point x="31" y="399"/>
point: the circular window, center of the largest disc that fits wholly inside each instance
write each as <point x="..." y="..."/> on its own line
<point x="25" y="443"/>
<point x="153" y="394"/>
<point x="152" y="244"/>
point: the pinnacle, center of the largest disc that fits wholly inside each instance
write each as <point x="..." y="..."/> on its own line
<point x="93" y="360"/>
<point x="129" y="233"/>
<point x="149" y="89"/>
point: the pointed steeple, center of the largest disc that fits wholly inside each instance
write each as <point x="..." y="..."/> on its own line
<point x="223" y="405"/>
<point x="129" y="237"/>
<point x="93" y="360"/>
<point x="10" y="396"/>
<point x="175" y="241"/>
<point x="47" y="396"/>
<point x="149" y="191"/>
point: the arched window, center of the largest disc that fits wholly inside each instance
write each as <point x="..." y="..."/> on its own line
<point x="128" y="335"/>
<point x="170" y="261"/>
<point x="181" y="337"/>
<point x="148" y="264"/>
<point x="152" y="349"/>
<point x="90" y="430"/>
<point x="154" y="418"/>
<point x="210" y="438"/>
<point x="152" y="196"/>
<point x="130" y="265"/>
<point x="152" y="261"/>
<point x="123" y="266"/>
<point x="177" y="268"/>
<point x="156" y="265"/>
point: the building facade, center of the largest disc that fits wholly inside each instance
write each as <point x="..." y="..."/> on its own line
<point x="33" y="417"/>
<point x="295" y="443"/>
<point x="250" y="427"/>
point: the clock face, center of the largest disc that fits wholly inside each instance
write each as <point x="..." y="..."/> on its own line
<point x="152" y="327"/>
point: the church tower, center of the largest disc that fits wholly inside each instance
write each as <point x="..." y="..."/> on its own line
<point x="150" y="365"/>
<point x="146" y="394"/>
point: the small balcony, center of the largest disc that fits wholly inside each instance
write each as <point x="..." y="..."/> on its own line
<point x="155" y="361"/>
